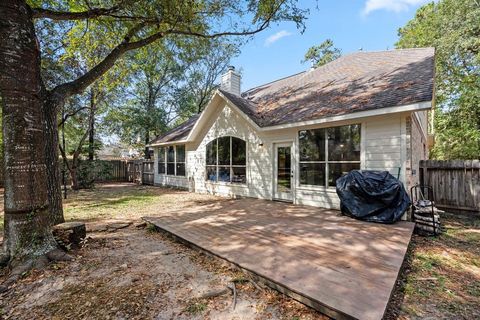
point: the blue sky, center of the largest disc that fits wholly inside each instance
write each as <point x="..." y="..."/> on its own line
<point x="352" y="24"/>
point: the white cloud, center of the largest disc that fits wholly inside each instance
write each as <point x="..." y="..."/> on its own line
<point x="275" y="37"/>
<point x="391" y="5"/>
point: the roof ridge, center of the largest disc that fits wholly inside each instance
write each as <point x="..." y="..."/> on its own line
<point x="390" y="50"/>
<point x="273" y="81"/>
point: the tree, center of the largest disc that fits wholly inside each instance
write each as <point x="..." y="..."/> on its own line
<point x="322" y="54"/>
<point x="202" y="75"/>
<point x="32" y="189"/>
<point x="77" y="126"/>
<point x="169" y="86"/>
<point x="453" y="28"/>
<point x="157" y="71"/>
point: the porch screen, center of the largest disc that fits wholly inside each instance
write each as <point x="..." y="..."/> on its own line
<point x="161" y="160"/>
<point x="226" y="160"/>
<point x="327" y="153"/>
<point x="171" y="160"/>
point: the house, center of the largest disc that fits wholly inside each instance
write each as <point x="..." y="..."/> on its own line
<point x="290" y="139"/>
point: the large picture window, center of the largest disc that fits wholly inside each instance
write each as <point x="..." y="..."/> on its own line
<point x="226" y="160"/>
<point x="171" y="160"/>
<point x="328" y="153"/>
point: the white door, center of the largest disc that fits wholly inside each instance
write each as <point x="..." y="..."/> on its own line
<point x="283" y="174"/>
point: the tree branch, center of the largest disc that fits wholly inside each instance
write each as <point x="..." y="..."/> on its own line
<point x="81" y="83"/>
<point x="76" y="154"/>
<point x="71" y="114"/>
<point x="67" y="15"/>
<point x="64" y="156"/>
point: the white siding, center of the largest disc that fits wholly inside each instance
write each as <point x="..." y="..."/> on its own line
<point x="383" y="144"/>
<point x="422" y="117"/>
<point x="381" y="149"/>
<point x="228" y="122"/>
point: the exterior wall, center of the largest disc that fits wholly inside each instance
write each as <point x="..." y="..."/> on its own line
<point x="228" y="122"/>
<point x="383" y="147"/>
<point x="417" y="145"/>
<point x="171" y="181"/>
<point x="168" y="180"/>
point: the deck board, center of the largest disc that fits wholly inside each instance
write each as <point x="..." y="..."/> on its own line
<point x="315" y="255"/>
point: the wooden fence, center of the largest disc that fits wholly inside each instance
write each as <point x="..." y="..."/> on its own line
<point x="115" y="170"/>
<point x="140" y="171"/>
<point x="148" y="172"/>
<point x="456" y="183"/>
<point x="137" y="171"/>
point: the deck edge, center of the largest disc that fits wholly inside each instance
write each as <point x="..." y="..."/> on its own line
<point x="308" y="301"/>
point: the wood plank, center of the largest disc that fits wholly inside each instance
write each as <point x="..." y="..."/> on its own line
<point x="340" y="266"/>
<point x="456" y="183"/>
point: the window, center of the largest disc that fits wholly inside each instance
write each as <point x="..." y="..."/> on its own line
<point x="171" y="160"/>
<point x="328" y="153"/>
<point x="180" y="160"/>
<point x="161" y="160"/>
<point x="226" y="160"/>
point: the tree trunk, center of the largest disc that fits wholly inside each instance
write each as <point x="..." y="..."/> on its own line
<point x="147" y="141"/>
<point x="91" y="127"/>
<point x="27" y="208"/>
<point x="74" y="177"/>
<point x="51" y="106"/>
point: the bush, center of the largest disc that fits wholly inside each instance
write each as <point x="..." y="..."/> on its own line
<point x="91" y="171"/>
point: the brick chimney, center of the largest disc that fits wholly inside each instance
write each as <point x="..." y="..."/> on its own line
<point x="231" y="81"/>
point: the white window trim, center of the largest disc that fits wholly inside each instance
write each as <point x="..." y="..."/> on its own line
<point x="165" y="148"/>
<point x="217" y="165"/>
<point x="326" y="162"/>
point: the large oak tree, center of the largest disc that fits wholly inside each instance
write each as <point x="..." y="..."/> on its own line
<point x="32" y="190"/>
<point x="453" y="28"/>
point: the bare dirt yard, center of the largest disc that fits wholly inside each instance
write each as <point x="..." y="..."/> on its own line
<point x="128" y="271"/>
<point x="133" y="272"/>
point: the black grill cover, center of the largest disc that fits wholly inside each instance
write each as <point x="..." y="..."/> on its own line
<point x="374" y="196"/>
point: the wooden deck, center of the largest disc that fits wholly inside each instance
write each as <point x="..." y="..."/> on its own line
<point x="342" y="267"/>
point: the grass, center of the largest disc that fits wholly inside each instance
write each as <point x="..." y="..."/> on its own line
<point x="122" y="201"/>
<point x="196" y="307"/>
<point x="151" y="228"/>
<point x="126" y="202"/>
<point x="443" y="273"/>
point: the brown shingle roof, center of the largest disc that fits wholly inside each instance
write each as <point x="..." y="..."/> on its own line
<point x="355" y="82"/>
<point x="178" y="133"/>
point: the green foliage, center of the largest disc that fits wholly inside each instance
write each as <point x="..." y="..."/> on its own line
<point x="170" y="82"/>
<point x="196" y="307"/>
<point x="322" y="54"/>
<point x="90" y="171"/>
<point x="453" y="28"/>
<point x="153" y="86"/>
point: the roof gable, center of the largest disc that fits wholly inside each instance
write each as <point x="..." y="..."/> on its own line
<point x="361" y="81"/>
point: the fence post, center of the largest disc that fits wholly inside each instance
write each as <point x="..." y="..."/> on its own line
<point x="422" y="169"/>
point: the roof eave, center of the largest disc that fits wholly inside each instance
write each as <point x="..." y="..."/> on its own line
<point x="418" y="106"/>
<point x="210" y="105"/>
<point x="159" y="144"/>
